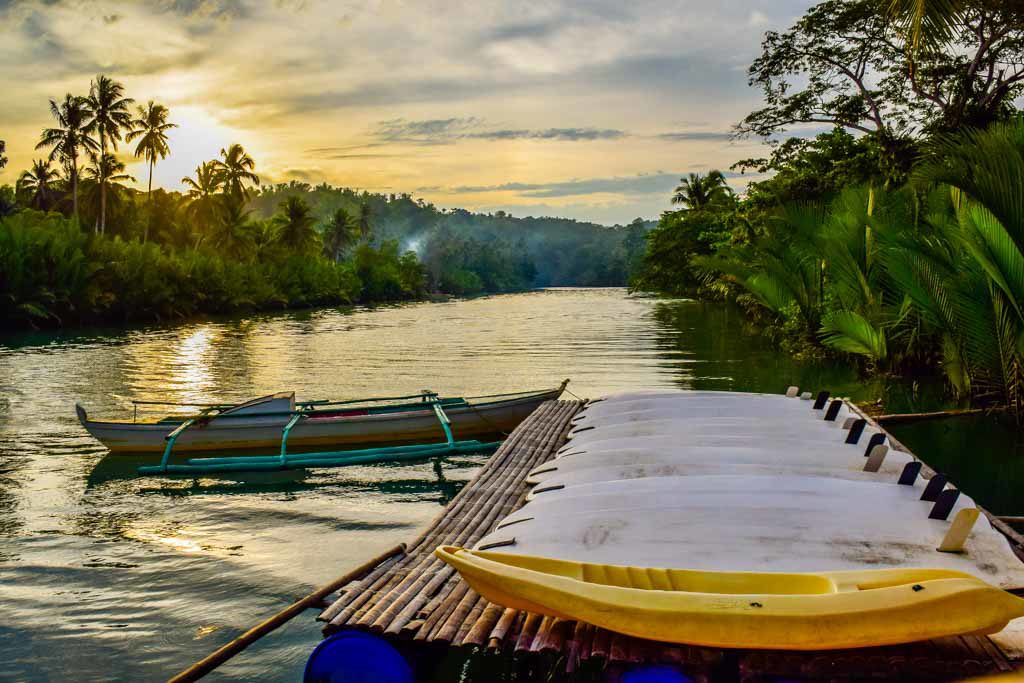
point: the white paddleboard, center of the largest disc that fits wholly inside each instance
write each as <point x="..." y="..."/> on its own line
<point x="750" y="523"/>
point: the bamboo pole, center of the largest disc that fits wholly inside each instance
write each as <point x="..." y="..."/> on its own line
<point x="1010" y="519"/>
<point x="934" y="415"/>
<point x="226" y="652"/>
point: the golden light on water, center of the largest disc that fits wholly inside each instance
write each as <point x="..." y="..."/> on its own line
<point x="192" y="361"/>
<point x="177" y="370"/>
<point x="185" y="545"/>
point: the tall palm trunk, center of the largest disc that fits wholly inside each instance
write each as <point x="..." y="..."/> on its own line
<point x="149" y="203"/>
<point x="74" y="185"/>
<point x="103" y="185"/>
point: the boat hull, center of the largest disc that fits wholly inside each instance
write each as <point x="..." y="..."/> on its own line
<point x="736" y="610"/>
<point x="263" y="433"/>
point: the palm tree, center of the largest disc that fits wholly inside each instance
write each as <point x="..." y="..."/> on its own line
<point x="234" y="170"/>
<point x="205" y="205"/>
<point x="363" y="221"/>
<point x="3" y="157"/>
<point x="104" y="172"/>
<point x="38" y="181"/>
<point x="700" y="192"/>
<point x="69" y="138"/>
<point x="109" y="167"/>
<point x="233" y="233"/>
<point x="150" y="127"/>
<point x="296" y="224"/>
<point x="986" y="171"/>
<point x="339" y="235"/>
<point x="108" y="115"/>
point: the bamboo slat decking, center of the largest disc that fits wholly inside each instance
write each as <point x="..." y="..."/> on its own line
<point x="417" y="598"/>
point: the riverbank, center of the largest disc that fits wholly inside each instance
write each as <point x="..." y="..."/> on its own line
<point x="57" y="275"/>
<point x="147" y="575"/>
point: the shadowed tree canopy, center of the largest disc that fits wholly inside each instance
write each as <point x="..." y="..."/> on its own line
<point x="109" y="115"/>
<point x="204" y="206"/>
<point x="37" y="184"/>
<point x="69" y="139"/>
<point x="3" y="156"/>
<point x="235" y="169"/>
<point x="296" y="225"/>
<point x="339" y="234"/>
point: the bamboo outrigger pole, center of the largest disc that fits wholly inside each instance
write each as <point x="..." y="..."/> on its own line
<point x="223" y="654"/>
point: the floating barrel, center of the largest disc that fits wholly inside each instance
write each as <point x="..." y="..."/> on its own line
<point x="356" y="657"/>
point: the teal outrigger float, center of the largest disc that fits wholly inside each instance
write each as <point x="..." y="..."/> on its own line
<point x="370" y="430"/>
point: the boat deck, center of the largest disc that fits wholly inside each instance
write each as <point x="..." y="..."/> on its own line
<point x="416" y="600"/>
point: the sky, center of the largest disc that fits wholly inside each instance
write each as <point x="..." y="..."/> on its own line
<point x="590" y="110"/>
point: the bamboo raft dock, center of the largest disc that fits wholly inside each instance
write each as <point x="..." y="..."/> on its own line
<point x="419" y="603"/>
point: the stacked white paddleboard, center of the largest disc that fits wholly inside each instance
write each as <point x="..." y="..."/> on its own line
<point x="724" y="481"/>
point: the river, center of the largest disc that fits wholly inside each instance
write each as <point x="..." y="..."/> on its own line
<point x="109" y="576"/>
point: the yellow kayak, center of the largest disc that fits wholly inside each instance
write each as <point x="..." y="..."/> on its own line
<point x="830" y="610"/>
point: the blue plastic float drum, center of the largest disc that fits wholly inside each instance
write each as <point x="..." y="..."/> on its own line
<point x="356" y="657"/>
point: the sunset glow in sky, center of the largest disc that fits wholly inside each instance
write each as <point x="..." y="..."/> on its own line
<point x="590" y="110"/>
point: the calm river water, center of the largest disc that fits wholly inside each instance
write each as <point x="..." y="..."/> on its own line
<point x="109" y="576"/>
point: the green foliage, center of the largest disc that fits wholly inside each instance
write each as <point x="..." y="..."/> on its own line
<point x="677" y="242"/>
<point x="850" y="332"/>
<point x="819" y="167"/>
<point x="561" y="251"/>
<point x="703" y="192"/>
<point x="51" y="272"/>
<point x="295" y="225"/>
<point x="387" y="275"/>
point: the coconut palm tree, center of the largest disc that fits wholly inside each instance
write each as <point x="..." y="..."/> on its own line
<point x="233" y="233"/>
<point x="234" y="170"/>
<point x="69" y="139"/>
<point x="102" y="188"/>
<point x="339" y="235"/>
<point x="150" y="128"/>
<point x="109" y="115"/>
<point x="700" y="192"/>
<point x="38" y="183"/>
<point x="205" y="205"/>
<point x="363" y="221"/>
<point x="296" y="224"/>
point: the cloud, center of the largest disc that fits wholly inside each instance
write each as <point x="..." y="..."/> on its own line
<point x="396" y="94"/>
<point x="654" y="183"/>
<point x="450" y="130"/>
<point x="428" y="132"/>
<point x="571" y="134"/>
<point x="688" y="135"/>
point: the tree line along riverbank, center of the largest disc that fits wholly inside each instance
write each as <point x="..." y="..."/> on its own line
<point x="892" y="236"/>
<point x="80" y="245"/>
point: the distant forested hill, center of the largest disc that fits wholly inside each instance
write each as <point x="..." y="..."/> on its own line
<point x="467" y="252"/>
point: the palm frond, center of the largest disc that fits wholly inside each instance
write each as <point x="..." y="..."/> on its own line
<point x="850" y="332"/>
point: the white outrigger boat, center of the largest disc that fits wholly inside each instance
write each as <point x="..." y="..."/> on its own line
<point x="400" y="427"/>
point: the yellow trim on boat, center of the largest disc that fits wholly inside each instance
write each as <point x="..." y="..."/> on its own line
<point x="814" y="611"/>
